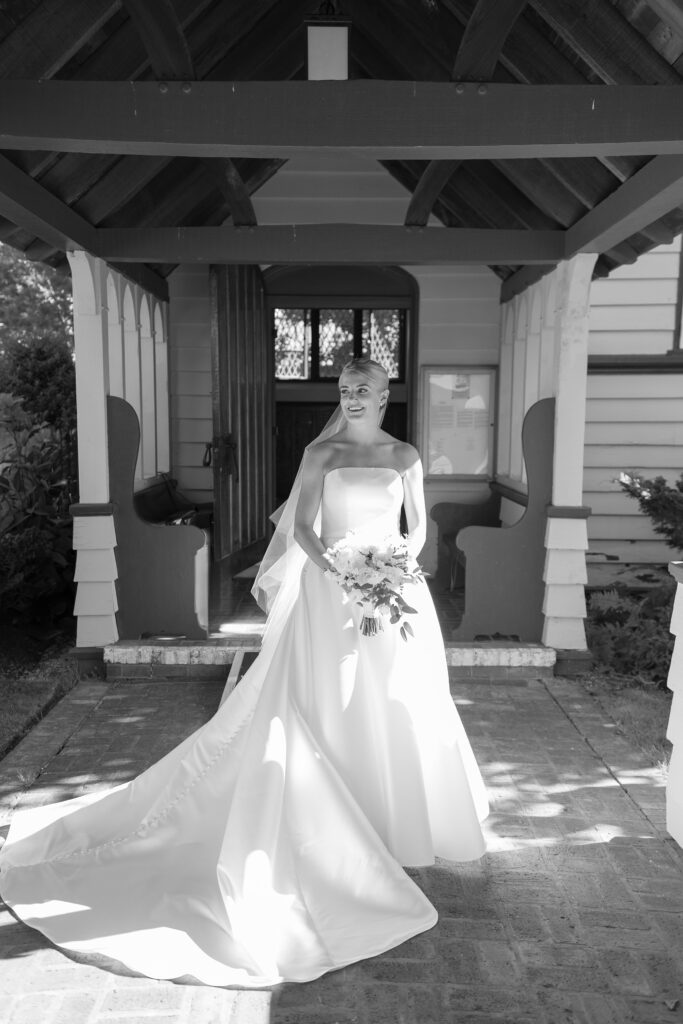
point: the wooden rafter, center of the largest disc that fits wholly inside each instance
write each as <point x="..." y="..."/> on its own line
<point x="331" y="243"/>
<point x="475" y="61"/>
<point x="648" y="195"/>
<point x="522" y="279"/>
<point x="30" y="206"/>
<point x="385" y="120"/>
<point x="26" y="203"/>
<point x="169" y="55"/>
<point x="47" y="39"/>
<point x="584" y="24"/>
<point x="162" y="34"/>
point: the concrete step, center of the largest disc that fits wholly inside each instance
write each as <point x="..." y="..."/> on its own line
<point x="213" y="658"/>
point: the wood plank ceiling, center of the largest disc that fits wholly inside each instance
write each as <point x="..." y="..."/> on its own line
<point x="597" y="42"/>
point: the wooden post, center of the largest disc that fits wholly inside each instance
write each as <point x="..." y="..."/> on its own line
<point x="161" y="391"/>
<point x="566" y="533"/>
<point x="674" y="733"/>
<point x="94" y="536"/>
<point x="547" y="329"/>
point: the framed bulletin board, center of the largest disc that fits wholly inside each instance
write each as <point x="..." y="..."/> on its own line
<point x="457" y="421"/>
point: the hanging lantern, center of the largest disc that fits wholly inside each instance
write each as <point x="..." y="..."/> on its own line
<point x="328" y="43"/>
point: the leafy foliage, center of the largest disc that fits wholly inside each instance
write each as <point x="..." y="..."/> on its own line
<point x="661" y="502"/>
<point x="36" y="559"/>
<point x="37" y="440"/>
<point x="630" y="634"/>
<point x="36" y="301"/>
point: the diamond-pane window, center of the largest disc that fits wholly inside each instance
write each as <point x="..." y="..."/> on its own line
<point x="292" y="344"/>
<point x="382" y="336"/>
<point x="315" y="343"/>
<point x="336" y="340"/>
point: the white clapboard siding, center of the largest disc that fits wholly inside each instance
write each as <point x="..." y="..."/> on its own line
<point x="606" y="479"/>
<point x="634" y="423"/>
<point x="190" y="378"/>
<point x="629" y="456"/>
<point x="622" y="527"/>
<point x="630" y="343"/>
<point x="635" y="551"/>
<point x="633" y="311"/>
<point x="642" y="433"/>
<point x="634" y="318"/>
<point x="612" y="503"/>
<point x="661" y="263"/>
<point x="611" y="291"/>
<point x="622" y="410"/>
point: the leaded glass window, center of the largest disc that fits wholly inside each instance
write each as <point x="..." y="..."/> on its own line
<point x="315" y="343"/>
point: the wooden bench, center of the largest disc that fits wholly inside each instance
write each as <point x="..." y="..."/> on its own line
<point x="504" y="587"/>
<point x="162" y="502"/>
<point x="163" y="571"/>
<point x="451" y="517"/>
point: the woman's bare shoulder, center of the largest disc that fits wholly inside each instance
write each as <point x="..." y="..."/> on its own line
<point x="406" y="454"/>
<point x="319" y="453"/>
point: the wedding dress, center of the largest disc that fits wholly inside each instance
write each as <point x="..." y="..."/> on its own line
<point x="268" y="845"/>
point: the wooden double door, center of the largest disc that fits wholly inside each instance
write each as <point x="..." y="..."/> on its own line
<point x="242" y="397"/>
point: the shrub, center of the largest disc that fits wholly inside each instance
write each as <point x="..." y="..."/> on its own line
<point x="36" y="560"/>
<point x="661" y="502"/>
<point x="630" y="634"/>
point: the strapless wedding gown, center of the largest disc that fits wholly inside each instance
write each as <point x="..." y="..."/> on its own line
<point x="268" y="845"/>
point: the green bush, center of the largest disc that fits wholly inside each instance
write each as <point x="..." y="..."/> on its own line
<point x="630" y="634"/>
<point x="36" y="560"/>
<point x="661" y="502"/>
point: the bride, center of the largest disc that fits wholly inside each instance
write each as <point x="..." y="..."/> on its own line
<point x="268" y="846"/>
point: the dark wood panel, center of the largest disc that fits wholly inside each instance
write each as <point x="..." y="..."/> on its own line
<point x="242" y="413"/>
<point x="298" y="423"/>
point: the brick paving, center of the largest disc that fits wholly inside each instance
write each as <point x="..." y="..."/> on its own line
<point x="574" y="916"/>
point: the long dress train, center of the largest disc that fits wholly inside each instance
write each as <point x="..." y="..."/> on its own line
<point x="268" y="845"/>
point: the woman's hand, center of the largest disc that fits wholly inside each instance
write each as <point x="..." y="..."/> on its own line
<point x="307" y="507"/>
<point x="414" y="503"/>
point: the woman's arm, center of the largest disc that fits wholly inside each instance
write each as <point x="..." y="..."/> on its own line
<point x="307" y="508"/>
<point x="414" y="503"/>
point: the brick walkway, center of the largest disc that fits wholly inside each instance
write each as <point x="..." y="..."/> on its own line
<point x="574" y="915"/>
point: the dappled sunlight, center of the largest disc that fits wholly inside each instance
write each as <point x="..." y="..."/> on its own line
<point x="240" y="628"/>
<point x="259" y="915"/>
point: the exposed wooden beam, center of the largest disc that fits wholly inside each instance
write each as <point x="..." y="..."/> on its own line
<point x="523" y="279"/>
<point x="384" y="120"/>
<point x="169" y="54"/>
<point x="671" y="13"/>
<point x="41" y="44"/>
<point x="329" y="243"/>
<point x="610" y="45"/>
<point x="485" y="33"/>
<point x="31" y="207"/>
<point x="475" y="61"/>
<point x="162" y="35"/>
<point x="428" y="189"/>
<point x="145" y="277"/>
<point x="651" y="193"/>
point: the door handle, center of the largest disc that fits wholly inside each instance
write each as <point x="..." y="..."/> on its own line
<point x="224" y="449"/>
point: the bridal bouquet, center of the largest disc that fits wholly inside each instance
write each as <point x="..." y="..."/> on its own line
<point x="374" y="576"/>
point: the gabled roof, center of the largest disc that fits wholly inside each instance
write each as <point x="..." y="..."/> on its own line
<point x="558" y="42"/>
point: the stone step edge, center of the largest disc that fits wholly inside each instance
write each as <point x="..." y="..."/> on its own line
<point x="492" y="654"/>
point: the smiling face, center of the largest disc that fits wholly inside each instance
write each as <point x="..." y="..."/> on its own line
<point x="360" y="398"/>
